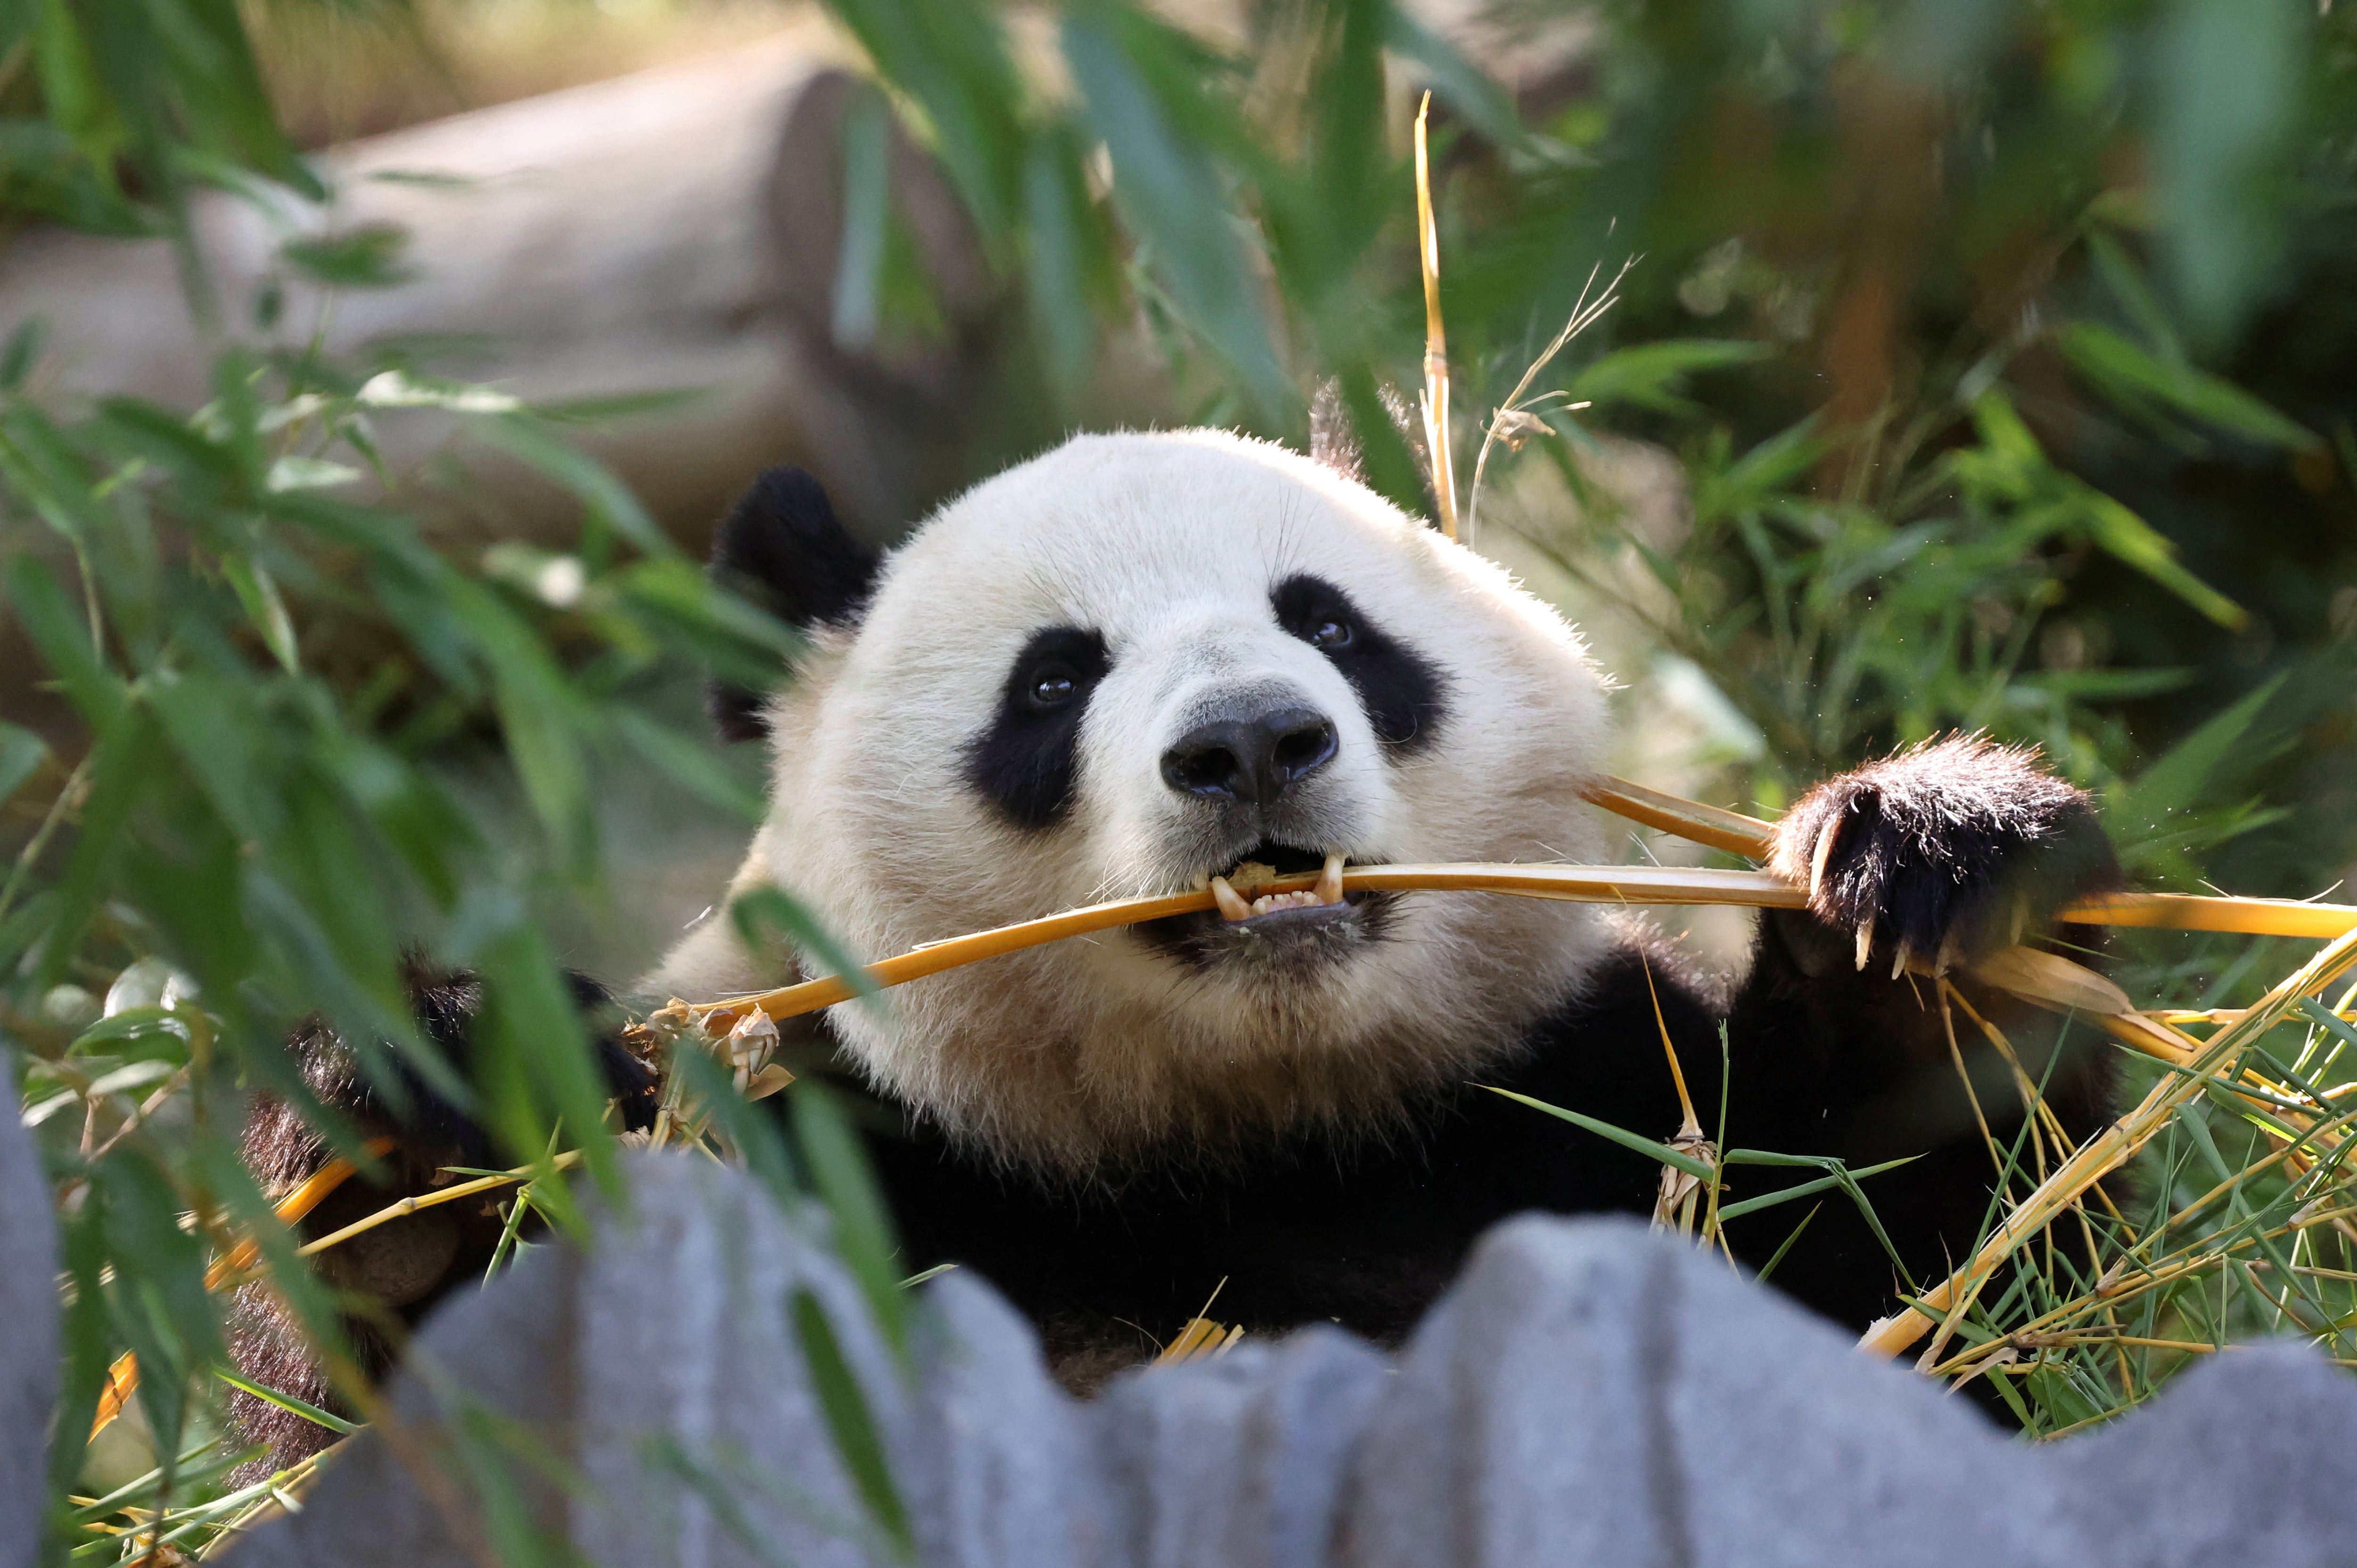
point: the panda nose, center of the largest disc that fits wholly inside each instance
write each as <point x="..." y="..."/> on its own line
<point x="1252" y="761"/>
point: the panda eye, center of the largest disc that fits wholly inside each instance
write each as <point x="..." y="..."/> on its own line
<point x="1052" y="686"/>
<point x="1330" y="632"/>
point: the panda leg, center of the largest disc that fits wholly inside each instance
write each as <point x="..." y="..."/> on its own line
<point x="393" y="1274"/>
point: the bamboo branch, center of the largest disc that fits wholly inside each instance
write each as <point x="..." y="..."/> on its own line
<point x="1436" y="336"/>
<point x="2112" y="1147"/>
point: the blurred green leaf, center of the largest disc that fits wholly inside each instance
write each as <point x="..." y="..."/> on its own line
<point x="2230" y="71"/>
<point x="865" y="133"/>
<point x="1654" y="375"/>
<point x="21" y="754"/>
<point x="2121" y="367"/>
<point x="1171" y="193"/>
<point x="368" y="256"/>
<point x="849" y="1422"/>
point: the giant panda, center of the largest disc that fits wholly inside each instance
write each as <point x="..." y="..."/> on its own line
<point x="1142" y="662"/>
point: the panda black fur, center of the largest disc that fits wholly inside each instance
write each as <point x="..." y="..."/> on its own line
<point x="1131" y="664"/>
<point x="403" y="1268"/>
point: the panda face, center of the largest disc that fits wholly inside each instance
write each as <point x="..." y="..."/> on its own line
<point x="1130" y="666"/>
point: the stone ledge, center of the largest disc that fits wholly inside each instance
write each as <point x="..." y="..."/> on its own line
<point x="1585" y="1393"/>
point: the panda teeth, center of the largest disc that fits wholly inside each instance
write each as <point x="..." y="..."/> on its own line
<point x="1235" y="907"/>
<point x="1230" y="902"/>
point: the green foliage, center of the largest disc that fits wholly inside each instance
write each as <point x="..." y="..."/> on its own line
<point x="2003" y="349"/>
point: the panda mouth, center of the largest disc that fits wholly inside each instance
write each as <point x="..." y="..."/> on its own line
<point x="1299" y="931"/>
<point x="1265" y="862"/>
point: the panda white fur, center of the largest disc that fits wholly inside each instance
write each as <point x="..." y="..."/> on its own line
<point x="1123" y="668"/>
<point x="922" y="789"/>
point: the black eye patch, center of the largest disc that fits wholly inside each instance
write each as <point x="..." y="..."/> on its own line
<point x="1024" y="762"/>
<point x="1403" y="694"/>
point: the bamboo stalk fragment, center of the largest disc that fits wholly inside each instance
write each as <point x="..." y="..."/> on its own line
<point x="2112" y="1148"/>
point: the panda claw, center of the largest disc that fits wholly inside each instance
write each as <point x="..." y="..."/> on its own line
<point x="1865" y="939"/>
<point x="1821" y="859"/>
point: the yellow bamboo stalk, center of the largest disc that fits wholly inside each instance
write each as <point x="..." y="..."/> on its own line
<point x="1436" y="335"/>
<point x="1575" y="883"/>
<point x="1712" y="826"/>
<point x="2105" y="1152"/>
<point x="1626" y="885"/>
<point x="403" y="1208"/>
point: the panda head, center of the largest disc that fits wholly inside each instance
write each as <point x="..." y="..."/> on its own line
<point x="1120" y="670"/>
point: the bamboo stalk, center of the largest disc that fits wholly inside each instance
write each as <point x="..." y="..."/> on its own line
<point x="1619" y="885"/>
<point x="402" y="1209"/>
<point x="1575" y="883"/>
<point x="1712" y="826"/>
<point x="1436" y="335"/>
<point x="2112" y="1147"/>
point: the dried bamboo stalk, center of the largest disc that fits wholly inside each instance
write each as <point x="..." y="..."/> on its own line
<point x="1436" y="336"/>
<point x="1720" y="828"/>
<point x="1624" y="884"/>
<point x="2114" y="1147"/>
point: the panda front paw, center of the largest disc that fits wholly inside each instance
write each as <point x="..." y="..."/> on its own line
<point x="1950" y="851"/>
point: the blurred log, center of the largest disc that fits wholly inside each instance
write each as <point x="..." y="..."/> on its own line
<point x="672" y="230"/>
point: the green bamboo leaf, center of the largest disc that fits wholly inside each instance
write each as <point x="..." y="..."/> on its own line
<point x="2127" y="537"/>
<point x="1455" y="79"/>
<point x="538" y="1069"/>
<point x="1661" y="1153"/>
<point x="2119" y="366"/>
<point x="1654" y="375"/>
<point x="1806" y="1188"/>
<point x="368" y="256"/>
<point x="21" y="754"/>
<point x="608" y="501"/>
<point x="848" y="1421"/>
<point x="264" y="609"/>
<point x="690" y="762"/>
<point x="1066" y="254"/>
<point x="863" y="1222"/>
<point x="867" y="132"/>
<point x="1172" y="195"/>
<point x="63" y="639"/>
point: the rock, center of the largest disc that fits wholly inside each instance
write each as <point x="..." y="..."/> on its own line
<point x="1238" y="1461"/>
<point x="28" y="1349"/>
<point x="1587" y="1393"/>
<point x="659" y="1375"/>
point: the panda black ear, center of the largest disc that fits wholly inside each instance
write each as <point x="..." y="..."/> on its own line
<point x="783" y="547"/>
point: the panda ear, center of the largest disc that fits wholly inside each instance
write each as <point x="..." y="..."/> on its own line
<point x="783" y="547"/>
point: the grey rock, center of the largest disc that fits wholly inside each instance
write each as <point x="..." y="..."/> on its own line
<point x="406" y="1501"/>
<point x="2248" y="1458"/>
<point x="28" y="1347"/>
<point x="648" y="1400"/>
<point x="1238" y="1461"/>
<point x="1002" y="1470"/>
<point x="1587" y="1393"/>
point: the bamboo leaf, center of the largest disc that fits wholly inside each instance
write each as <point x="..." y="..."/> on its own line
<point x="1661" y="1153"/>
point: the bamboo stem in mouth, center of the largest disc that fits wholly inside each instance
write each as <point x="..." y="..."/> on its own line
<point x="1623" y="884"/>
